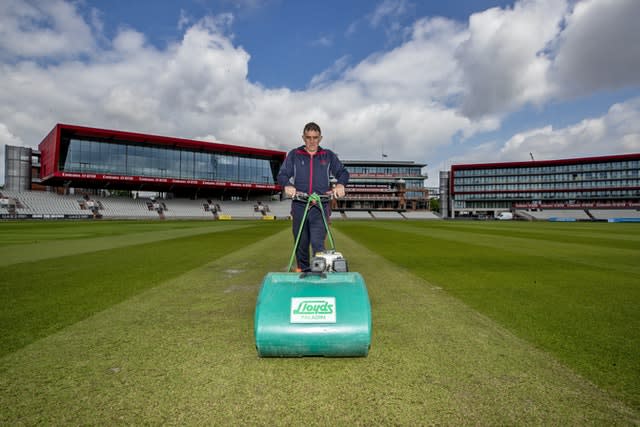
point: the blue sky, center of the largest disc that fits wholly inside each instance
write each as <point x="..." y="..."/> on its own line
<point x="438" y="82"/>
<point x="303" y="36"/>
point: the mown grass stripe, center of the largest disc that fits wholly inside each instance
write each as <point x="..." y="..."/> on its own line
<point x="596" y="252"/>
<point x="45" y="296"/>
<point x="19" y="244"/>
<point x="182" y="353"/>
<point x="18" y="232"/>
<point x="606" y="234"/>
<point x="577" y="301"/>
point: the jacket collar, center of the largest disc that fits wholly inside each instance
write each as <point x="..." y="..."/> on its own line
<point x="301" y="150"/>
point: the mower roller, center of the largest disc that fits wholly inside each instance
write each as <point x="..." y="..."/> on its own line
<point x="325" y="312"/>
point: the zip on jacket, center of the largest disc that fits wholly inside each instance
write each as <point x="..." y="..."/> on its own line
<point x="315" y="176"/>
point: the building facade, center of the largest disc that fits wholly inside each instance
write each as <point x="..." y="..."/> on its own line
<point x="92" y="159"/>
<point x="384" y="185"/>
<point x="82" y="157"/>
<point x="591" y="182"/>
<point x="20" y="163"/>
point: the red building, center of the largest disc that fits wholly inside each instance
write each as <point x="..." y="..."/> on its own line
<point x="83" y="157"/>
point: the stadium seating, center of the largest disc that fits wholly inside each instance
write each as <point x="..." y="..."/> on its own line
<point x="240" y="209"/>
<point x="386" y="215"/>
<point x="280" y="209"/>
<point x="566" y="214"/>
<point x="125" y="208"/>
<point x="337" y="215"/>
<point x="603" y="214"/>
<point x="43" y="203"/>
<point x="185" y="208"/>
<point x="358" y="215"/>
<point x="420" y="215"/>
<point x="51" y="205"/>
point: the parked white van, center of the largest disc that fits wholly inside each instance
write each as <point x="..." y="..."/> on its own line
<point x="505" y="216"/>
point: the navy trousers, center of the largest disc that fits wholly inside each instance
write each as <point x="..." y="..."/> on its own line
<point x="313" y="231"/>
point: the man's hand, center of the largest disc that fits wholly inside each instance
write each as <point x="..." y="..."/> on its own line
<point x="290" y="191"/>
<point x="338" y="191"/>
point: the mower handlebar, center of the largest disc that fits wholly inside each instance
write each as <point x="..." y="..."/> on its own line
<point x="303" y="197"/>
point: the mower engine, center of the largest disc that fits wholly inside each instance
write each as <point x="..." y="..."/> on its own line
<point x="329" y="261"/>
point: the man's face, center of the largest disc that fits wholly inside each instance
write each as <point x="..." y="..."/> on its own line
<point x="311" y="140"/>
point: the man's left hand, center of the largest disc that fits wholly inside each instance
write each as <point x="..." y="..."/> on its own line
<point x="338" y="191"/>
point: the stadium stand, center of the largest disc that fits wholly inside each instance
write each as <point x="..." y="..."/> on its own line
<point x="280" y="209"/>
<point x="185" y="208"/>
<point x="605" y="214"/>
<point x="7" y="205"/>
<point x="358" y="215"/>
<point x="560" y="214"/>
<point x="524" y="214"/>
<point x="126" y="208"/>
<point x="420" y="215"/>
<point x="40" y="204"/>
<point x="337" y="215"/>
<point x="239" y="209"/>
<point x="386" y="215"/>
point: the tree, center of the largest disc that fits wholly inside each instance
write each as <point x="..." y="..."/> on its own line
<point x="434" y="205"/>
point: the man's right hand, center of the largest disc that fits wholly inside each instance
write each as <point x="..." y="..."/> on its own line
<point x="290" y="191"/>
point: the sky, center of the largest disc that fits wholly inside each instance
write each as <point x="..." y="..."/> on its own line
<point x="440" y="83"/>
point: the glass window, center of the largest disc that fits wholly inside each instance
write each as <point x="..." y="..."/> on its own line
<point x="187" y="159"/>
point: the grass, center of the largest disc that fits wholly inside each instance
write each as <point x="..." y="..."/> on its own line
<point x="573" y="290"/>
<point x="44" y="295"/>
<point x="179" y="349"/>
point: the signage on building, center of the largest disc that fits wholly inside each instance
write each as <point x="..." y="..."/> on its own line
<point x="153" y="180"/>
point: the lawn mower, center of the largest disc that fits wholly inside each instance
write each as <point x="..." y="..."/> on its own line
<point x="324" y="312"/>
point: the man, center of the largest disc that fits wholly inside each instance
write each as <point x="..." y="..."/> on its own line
<point x="307" y="169"/>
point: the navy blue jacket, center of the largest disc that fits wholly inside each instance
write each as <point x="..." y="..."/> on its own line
<point x="310" y="174"/>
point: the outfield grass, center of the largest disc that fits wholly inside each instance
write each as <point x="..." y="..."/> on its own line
<point x="571" y="289"/>
<point x="62" y="272"/>
<point x="177" y="348"/>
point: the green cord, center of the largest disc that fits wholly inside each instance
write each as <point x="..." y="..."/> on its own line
<point x="295" y="246"/>
<point x="312" y="198"/>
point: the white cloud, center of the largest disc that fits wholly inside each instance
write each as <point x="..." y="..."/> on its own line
<point x="184" y="21"/>
<point x="331" y="73"/>
<point x="447" y="81"/>
<point x="323" y="41"/>
<point x="423" y="67"/>
<point x="387" y="15"/>
<point x="617" y="131"/>
<point x="352" y="28"/>
<point x="599" y="48"/>
<point x="388" y="10"/>
<point x="540" y="50"/>
<point x="42" y="29"/>
<point x="6" y="137"/>
<point x="502" y="59"/>
<point x="128" y="41"/>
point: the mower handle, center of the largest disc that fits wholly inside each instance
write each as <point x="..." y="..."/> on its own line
<point x="303" y="197"/>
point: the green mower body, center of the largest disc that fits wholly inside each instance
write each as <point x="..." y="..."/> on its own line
<point x="326" y="314"/>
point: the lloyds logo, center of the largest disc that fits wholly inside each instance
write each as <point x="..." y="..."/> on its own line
<point x="314" y="307"/>
<point x="313" y="310"/>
